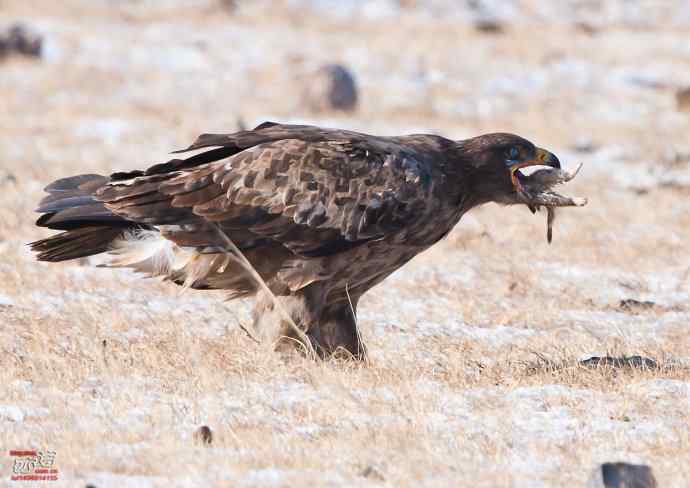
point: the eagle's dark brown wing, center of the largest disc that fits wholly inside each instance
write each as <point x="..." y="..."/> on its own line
<point x="314" y="193"/>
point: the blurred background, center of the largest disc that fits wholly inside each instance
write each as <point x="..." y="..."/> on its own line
<point x="95" y="86"/>
<point x="115" y="83"/>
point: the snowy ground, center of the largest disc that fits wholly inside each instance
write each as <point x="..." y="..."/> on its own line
<point x="473" y="378"/>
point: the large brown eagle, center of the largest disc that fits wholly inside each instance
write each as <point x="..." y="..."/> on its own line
<point x="322" y="215"/>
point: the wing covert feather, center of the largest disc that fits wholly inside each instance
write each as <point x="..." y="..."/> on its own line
<point x="306" y="195"/>
<point x="313" y="195"/>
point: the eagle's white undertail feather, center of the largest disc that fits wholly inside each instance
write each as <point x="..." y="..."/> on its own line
<point x="150" y="253"/>
<point x="145" y="251"/>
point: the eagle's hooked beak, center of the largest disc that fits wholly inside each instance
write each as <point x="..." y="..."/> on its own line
<point x="542" y="158"/>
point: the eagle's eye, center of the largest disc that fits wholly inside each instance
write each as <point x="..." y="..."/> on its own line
<point x="513" y="154"/>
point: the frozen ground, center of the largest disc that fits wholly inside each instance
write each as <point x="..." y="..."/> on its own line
<point x="473" y="378"/>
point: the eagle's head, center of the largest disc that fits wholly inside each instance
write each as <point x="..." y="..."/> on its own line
<point x="494" y="166"/>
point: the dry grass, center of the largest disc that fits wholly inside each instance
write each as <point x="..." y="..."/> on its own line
<point x="473" y="378"/>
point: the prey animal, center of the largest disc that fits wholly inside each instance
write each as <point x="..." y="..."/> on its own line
<point x="321" y="215"/>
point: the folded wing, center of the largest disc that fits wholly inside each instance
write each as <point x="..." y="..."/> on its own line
<point x="313" y="193"/>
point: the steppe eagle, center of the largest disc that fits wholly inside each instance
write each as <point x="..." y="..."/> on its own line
<point x="323" y="215"/>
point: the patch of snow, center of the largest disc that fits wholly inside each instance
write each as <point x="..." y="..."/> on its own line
<point x="658" y="388"/>
<point x="265" y="477"/>
<point x="11" y="413"/>
<point x="133" y="334"/>
<point x="134" y="481"/>
<point x="291" y="394"/>
<point x="380" y="9"/>
<point x="371" y="10"/>
<point x="553" y="275"/>
<point x="497" y="336"/>
<point x="107" y="130"/>
<point x="123" y="450"/>
<point x="22" y="385"/>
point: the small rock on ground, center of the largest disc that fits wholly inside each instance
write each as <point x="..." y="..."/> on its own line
<point x="623" y="475"/>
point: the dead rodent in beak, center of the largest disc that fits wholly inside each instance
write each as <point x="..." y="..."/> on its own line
<point x="536" y="193"/>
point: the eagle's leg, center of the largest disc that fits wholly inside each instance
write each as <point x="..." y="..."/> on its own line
<point x="337" y="333"/>
<point x="331" y="328"/>
<point x="304" y="308"/>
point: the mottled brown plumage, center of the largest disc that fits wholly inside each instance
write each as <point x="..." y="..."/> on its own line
<point x="322" y="214"/>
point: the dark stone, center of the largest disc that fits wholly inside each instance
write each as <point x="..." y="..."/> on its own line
<point x="632" y="305"/>
<point x="587" y="28"/>
<point x="488" y="25"/>
<point x="7" y="178"/>
<point x="332" y="87"/>
<point x="204" y="435"/>
<point x="683" y="99"/>
<point x="19" y="40"/>
<point x="229" y="6"/>
<point x="624" y="475"/>
<point x="372" y="472"/>
<point x="620" y="362"/>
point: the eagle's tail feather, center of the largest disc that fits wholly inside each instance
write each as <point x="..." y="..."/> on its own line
<point x="90" y="228"/>
<point x="76" y="243"/>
